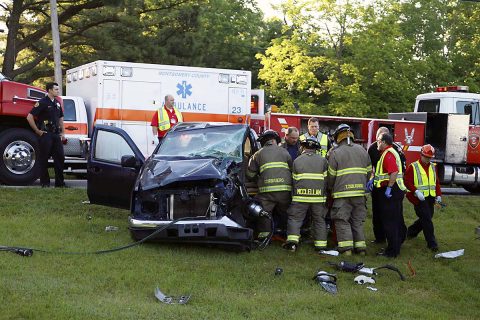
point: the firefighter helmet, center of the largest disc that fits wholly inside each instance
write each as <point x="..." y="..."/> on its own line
<point x="341" y="128"/>
<point x="268" y="135"/>
<point x="428" y="151"/>
<point x="310" y="143"/>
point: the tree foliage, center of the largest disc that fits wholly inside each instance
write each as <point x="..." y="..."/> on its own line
<point x="358" y="59"/>
<point x="210" y="33"/>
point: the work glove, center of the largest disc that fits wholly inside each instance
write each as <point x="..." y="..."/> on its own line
<point x="419" y="195"/>
<point x="369" y="186"/>
<point x="388" y="192"/>
<point x="438" y="199"/>
<point x="155" y="141"/>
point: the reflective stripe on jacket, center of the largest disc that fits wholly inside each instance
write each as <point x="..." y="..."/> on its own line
<point x="423" y="182"/>
<point x="349" y="168"/>
<point x="321" y="138"/>
<point x="381" y="176"/>
<point x="164" y="119"/>
<point x="309" y="172"/>
<point x="272" y="165"/>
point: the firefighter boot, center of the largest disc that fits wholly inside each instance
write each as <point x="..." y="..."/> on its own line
<point x="290" y="246"/>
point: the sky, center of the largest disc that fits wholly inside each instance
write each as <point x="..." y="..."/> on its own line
<point x="265" y="5"/>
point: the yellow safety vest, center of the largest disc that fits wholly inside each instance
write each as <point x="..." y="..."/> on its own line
<point x="381" y="176"/>
<point x="164" y="120"/>
<point x="323" y="142"/>
<point x="423" y="182"/>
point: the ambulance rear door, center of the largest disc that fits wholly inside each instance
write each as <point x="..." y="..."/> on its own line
<point x="139" y="100"/>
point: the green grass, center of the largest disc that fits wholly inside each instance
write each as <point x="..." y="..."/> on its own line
<point x="223" y="285"/>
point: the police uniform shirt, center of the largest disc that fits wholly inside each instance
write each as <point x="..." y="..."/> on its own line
<point x="47" y="112"/>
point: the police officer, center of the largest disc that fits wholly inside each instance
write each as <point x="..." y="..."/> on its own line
<point x="421" y="180"/>
<point x="389" y="182"/>
<point x="314" y="132"/>
<point x="308" y="174"/>
<point x="374" y="154"/>
<point x="272" y="165"/>
<point x="349" y="168"/>
<point x="46" y="120"/>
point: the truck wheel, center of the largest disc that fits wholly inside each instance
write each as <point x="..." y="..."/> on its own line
<point x="474" y="188"/>
<point x="19" y="150"/>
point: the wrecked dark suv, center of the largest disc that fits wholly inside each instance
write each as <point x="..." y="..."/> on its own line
<point x="196" y="177"/>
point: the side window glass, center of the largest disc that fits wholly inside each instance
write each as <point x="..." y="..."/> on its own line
<point x="429" y="105"/>
<point x="471" y="108"/>
<point x="69" y="113"/>
<point x="111" y="147"/>
<point x="247" y="148"/>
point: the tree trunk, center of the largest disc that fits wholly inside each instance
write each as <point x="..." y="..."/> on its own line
<point x="13" y="24"/>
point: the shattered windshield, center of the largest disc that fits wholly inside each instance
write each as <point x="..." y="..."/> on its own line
<point x="214" y="142"/>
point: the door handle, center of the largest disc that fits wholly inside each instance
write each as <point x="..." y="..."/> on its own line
<point x="71" y="128"/>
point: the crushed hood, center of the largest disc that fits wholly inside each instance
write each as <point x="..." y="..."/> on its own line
<point x="159" y="172"/>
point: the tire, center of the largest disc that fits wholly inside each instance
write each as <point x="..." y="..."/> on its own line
<point x="474" y="188"/>
<point x="19" y="150"/>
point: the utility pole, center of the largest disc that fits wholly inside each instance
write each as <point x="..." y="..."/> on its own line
<point x="57" y="58"/>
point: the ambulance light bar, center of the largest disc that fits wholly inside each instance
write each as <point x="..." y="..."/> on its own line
<point x="452" y="89"/>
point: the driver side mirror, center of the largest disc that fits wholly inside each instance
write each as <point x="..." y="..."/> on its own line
<point x="129" y="162"/>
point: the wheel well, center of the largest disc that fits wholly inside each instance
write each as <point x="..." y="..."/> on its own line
<point x="7" y="122"/>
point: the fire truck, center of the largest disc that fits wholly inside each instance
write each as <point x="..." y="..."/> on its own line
<point x="448" y="119"/>
<point x="18" y="143"/>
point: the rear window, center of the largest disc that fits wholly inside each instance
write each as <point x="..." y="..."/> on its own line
<point x="471" y="108"/>
<point x="428" y="105"/>
<point x="69" y="113"/>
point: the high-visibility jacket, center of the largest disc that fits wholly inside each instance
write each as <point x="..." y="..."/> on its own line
<point x="273" y="166"/>
<point x="381" y="176"/>
<point x="423" y="182"/>
<point x="321" y="138"/>
<point x="164" y="119"/>
<point x="309" y="173"/>
<point x="349" y="168"/>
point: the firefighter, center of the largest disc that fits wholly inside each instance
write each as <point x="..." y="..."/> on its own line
<point x="313" y="132"/>
<point x="374" y="154"/>
<point x="308" y="174"/>
<point x="51" y="131"/>
<point x="272" y="165"/>
<point x="165" y="118"/>
<point x="349" y="168"/>
<point x="291" y="142"/>
<point x="422" y="181"/>
<point x="389" y="182"/>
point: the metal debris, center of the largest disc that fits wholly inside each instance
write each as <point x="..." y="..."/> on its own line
<point x="169" y="299"/>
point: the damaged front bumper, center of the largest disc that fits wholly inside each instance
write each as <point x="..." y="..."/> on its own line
<point x="223" y="231"/>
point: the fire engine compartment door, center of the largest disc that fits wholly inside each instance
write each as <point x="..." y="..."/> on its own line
<point x="237" y="102"/>
<point x="448" y="133"/>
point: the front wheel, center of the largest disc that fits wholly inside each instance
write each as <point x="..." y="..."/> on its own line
<point x="19" y="150"/>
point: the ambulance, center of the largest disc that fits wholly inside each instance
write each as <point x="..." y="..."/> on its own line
<point x="126" y="95"/>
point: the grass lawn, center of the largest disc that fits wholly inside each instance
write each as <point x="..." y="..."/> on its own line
<point x="222" y="284"/>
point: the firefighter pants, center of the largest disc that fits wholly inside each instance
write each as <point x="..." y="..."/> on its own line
<point x="378" y="231"/>
<point x="276" y="203"/>
<point x="349" y="214"/>
<point x="296" y="216"/>
<point x="51" y="145"/>
<point x="424" y="211"/>
<point x="391" y="211"/>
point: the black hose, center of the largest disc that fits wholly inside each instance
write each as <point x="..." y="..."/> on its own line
<point x="26" y="252"/>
